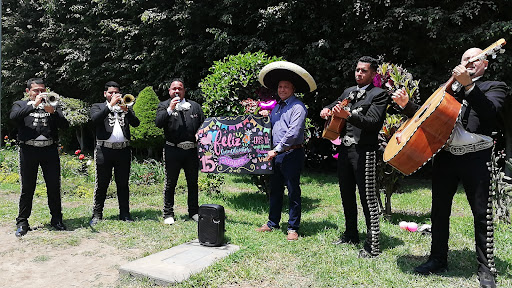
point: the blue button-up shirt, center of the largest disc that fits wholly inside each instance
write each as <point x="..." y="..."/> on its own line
<point x="288" y="123"/>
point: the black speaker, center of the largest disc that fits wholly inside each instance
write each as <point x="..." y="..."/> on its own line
<point x="211" y="226"/>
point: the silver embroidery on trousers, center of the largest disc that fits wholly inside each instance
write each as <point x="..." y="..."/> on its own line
<point x="372" y="201"/>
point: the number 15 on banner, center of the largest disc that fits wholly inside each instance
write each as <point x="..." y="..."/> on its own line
<point x="207" y="163"/>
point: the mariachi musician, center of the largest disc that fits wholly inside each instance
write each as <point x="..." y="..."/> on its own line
<point x="464" y="159"/>
<point x="112" y="119"/>
<point x="37" y="124"/>
<point x="364" y="115"/>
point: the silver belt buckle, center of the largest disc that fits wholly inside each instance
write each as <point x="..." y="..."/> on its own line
<point x="186" y="145"/>
<point x="457" y="150"/>
<point x="117" y="145"/>
<point x="347" y="141"/>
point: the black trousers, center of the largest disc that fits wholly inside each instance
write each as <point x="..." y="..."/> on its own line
<point x="106" y="160"/>
<point x="175" y="159"/>
<point x="351" y="172"/>
<point x="448" y="170"/>
<point x="30" y="159"/>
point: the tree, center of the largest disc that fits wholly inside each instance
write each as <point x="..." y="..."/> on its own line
<point x="76" y="112"/>
<point x="146" y="135"/>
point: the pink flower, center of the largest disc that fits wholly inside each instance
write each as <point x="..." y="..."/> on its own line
<point x="377" y="80"/>
<point x="335" y="156"/>
<point x="81" y="157"/>
<point x="77" y="152"/>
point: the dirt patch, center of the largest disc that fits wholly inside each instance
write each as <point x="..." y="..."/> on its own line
<point x="30" y="262"/>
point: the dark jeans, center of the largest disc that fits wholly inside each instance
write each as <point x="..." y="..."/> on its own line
<point x="176" y="159"/>
<point x="30" y="158"/>
<point x="448" y="170"/>
<point x="287" y="169"/>
<point x="106" y="160"/>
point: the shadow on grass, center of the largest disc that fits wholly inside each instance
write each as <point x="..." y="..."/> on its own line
<point x="409" y="185"/>
<point x="397" y="217"/>
<point x="308" y="177"/>
<point x="461" y="263"/>
<point x="138" y="215"/>
<point x="259" y="202"/>
<point x="310" y="228"/>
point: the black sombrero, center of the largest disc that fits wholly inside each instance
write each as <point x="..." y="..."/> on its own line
<point x="274" y="72"/>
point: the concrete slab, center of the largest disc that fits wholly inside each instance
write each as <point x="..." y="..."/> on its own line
<point x="177" y="263"/>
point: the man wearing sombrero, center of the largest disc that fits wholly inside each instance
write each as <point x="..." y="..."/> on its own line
<point x="288" y="124"/>
<point x="364" y="116"/>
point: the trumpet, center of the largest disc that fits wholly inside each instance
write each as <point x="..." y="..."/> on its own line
<point x="127" y="100"/>
<point x="50" y="98"/>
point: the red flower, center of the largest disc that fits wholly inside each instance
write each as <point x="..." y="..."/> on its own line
<point x="81" y="157"/>
<point x="6" y="137"/>
<point x="77" y="152"/>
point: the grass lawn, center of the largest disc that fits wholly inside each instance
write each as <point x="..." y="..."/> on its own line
<point x="267" y="259"/>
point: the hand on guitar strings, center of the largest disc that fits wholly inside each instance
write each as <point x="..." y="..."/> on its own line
<point x="341" y="112"/>
<point x="325" y="113"/>
<point x="400" y="97"/>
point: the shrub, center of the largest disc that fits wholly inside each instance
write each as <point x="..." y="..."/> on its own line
<point x="232" y="80"/>
<point x="211" y="183"/>
<point x="148" y="172"/>
<point x="146" y="135"/>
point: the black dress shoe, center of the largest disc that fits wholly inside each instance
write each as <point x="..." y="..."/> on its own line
<point x="59" y="226"/>
<point x="363" y="253"/>
<point x="486" y="280"/>
<point x="94" y="220"/>
<point x="432" y="266"/>
<point x="345" y="240"/>
<point x="126" y="218"/>
<point x="22" y="230"/>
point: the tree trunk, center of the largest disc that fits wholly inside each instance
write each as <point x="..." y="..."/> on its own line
<point x="80" y="136"/>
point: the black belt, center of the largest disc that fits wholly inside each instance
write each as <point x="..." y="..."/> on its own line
<point x="113" y="145"/>
<point x="38" y="143"/>
<point x="292" y="147"/>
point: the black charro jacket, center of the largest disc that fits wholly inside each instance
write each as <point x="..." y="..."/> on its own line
<point x="32" y="122"/>
<point x="103" y="119"/>
<point x="368" y="114"/>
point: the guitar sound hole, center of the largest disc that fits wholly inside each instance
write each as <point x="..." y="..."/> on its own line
<point x="424" y="109"/>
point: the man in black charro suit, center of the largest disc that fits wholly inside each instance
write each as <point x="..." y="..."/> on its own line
<point x="38" y="137"/>
<point x="364" y="116"/>
<point x="464" y="159"/>
<point x="112" y="150"/>
<point x="180" y="118"/>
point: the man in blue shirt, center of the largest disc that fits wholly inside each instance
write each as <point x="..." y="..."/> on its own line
<point x="288" y="124"/>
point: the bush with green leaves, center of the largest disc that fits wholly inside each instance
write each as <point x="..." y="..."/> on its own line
<point x="147" y="172"/>
<point x="232" y="80"/>
<point x="211" y="184"/>
<point x="146" y="135"/>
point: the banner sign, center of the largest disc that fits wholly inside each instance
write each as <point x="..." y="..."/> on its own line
<point x="237" y="144"/>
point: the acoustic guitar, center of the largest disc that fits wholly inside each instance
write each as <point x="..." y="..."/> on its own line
<point x="423" y="135"/>
<point x="334" y="125"/>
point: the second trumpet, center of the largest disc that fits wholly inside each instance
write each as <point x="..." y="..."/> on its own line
<point x="127" y="100"/>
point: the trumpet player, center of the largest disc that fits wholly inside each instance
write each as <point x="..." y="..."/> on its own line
<point x="112" y="119"/>
<point x="38" y="136"/>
